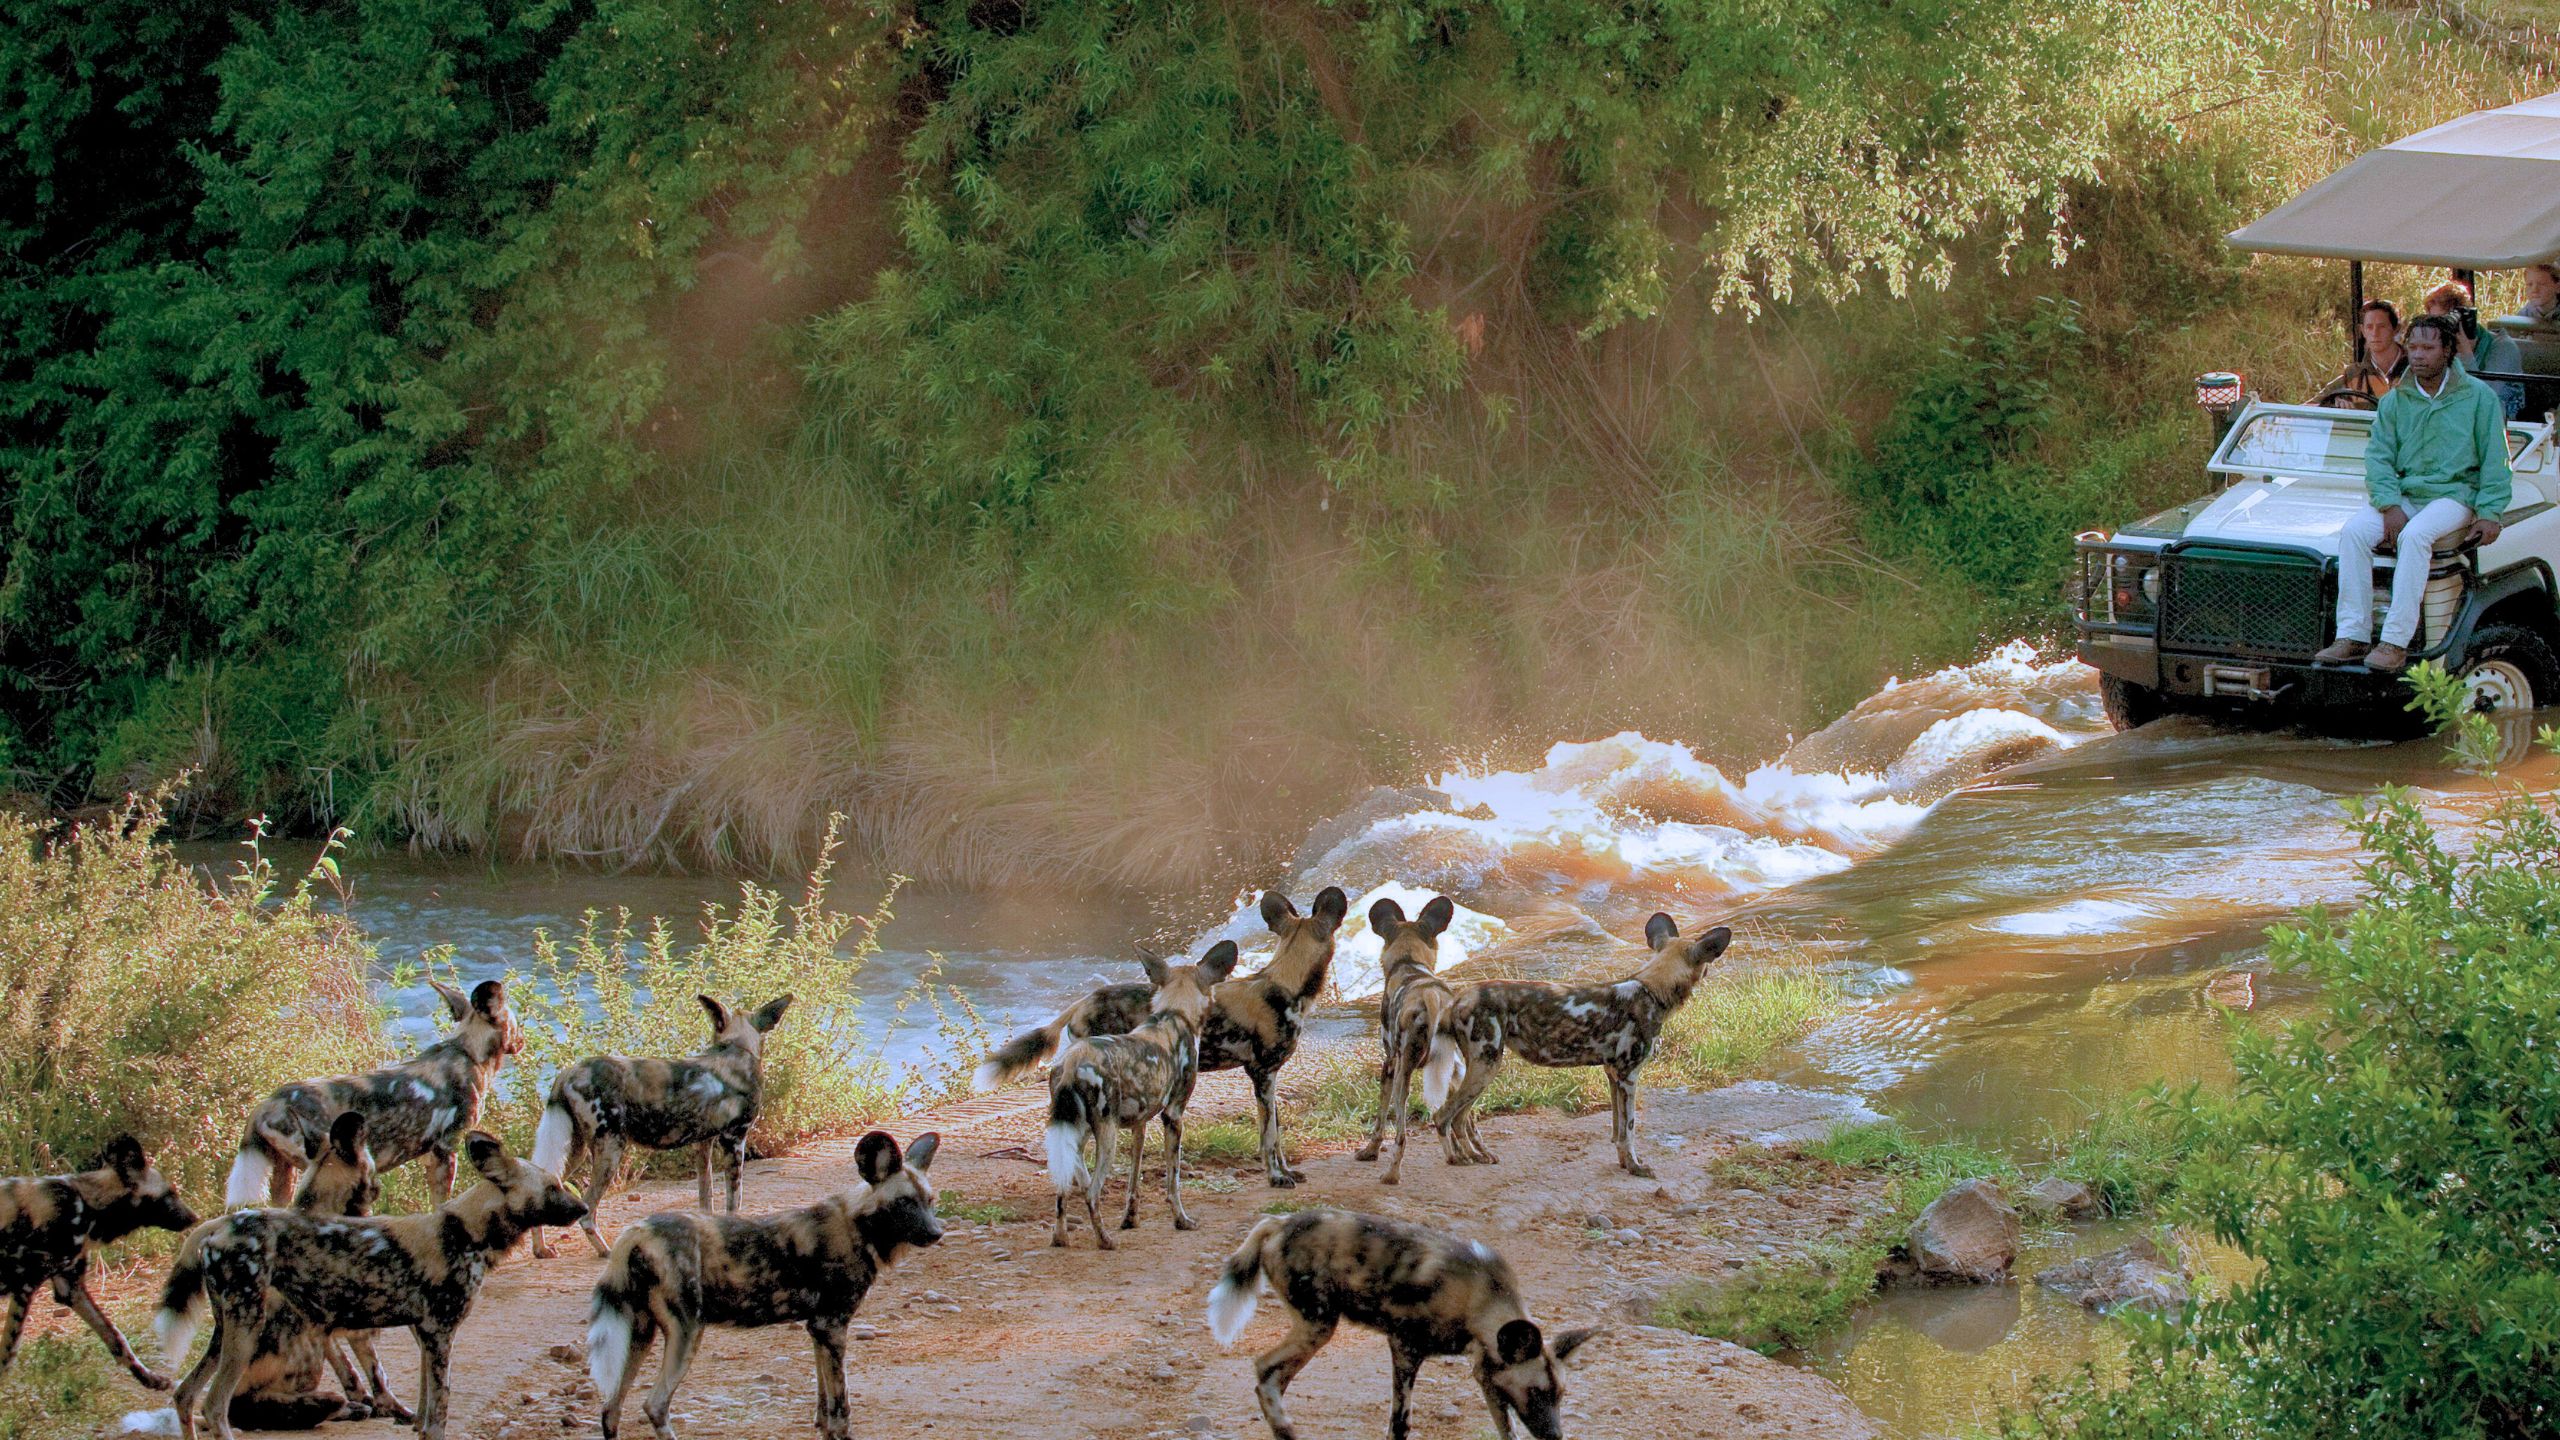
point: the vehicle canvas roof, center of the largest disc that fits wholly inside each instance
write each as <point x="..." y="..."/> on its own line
<point x="2478" y="193"/>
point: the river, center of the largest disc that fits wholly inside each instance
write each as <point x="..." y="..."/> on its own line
<point x="2035" y="913"/>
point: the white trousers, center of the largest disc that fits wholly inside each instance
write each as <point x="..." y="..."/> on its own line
<point x="2433" y="522"/>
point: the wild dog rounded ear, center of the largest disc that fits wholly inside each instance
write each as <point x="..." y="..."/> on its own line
<point x="1331" y="906"/>
<point x="453" y="999"/>
<point x="719" y="1014"/>
<point x="346" y="1135"/>
<point x="876" y="1158"/>
<point x="1436" y="916"/>
<point x="1518" y="1342"/>
<point x="1573" y="1340"/>
<point x="1385" y="919"/>
<point x="1660" y="928"/>
<point x="1220" y="962"/>
<point x="1158" y="972"/>
<point x="1711" y="944"/>
<point x="771" y="1015"/>
<point x="486" y="1152"/>
<point x="920" y="1154"/>
<point x="1276" y="909"/>
<point x="489" y="997"/>
<point x="124" y="1156"/>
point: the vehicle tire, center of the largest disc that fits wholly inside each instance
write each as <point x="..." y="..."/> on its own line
<point x="2129" y="705"/>
<point x="2509" y="670"/>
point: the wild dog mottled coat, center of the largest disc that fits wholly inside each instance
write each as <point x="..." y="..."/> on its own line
<point x="604" y="1102"/>
<point x="677" y="1272"/>
<point x="1612" y="1026"/>
<point x="1253" y="1025"/>
<point x="1104" y="1082"/>
<point x="418" y="1271"/>
<point x="50" y="1224"/>
<point x="418" y="1108"/>
<point x="1411" y="1004"/>
<point x="1429" y="1292"/>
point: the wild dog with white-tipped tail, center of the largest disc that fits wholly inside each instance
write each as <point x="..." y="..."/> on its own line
<point x="1103" y="1082"/>
<point x="605" y="1102"/>
<point x="50" y="1224"/>
<point x="1429" y="1292"/>
<point x="420" y="1272"/>
<point x="1613" y="1026"/>
<point x="420" y="1108"/>
<point x="1411" y="1004"/>
<point x="678" y="1272"/>
<point x="1253" y="1024"/>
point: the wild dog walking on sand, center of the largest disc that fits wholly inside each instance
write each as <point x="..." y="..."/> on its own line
<point x="50" y="1224"/>
<point x="1611" y="1026"/>
<point x="283" y="1388"/>
<point x="678" y="1272"/>
<point x="1429" y="1292"/>
<point x="605" y="1102"/>
<point x="1410" y="1007"/>
<point x="418" y="1271"/>
<point x="1103" y="1082"/>
<point x="420" y="1107"/>
<point x="1253" y="1020"/>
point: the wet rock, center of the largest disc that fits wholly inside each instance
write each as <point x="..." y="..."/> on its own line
<point x="2056" y="1196"/>
<point x="1968" y="1234"/>
<point x="2138" y="1275"/>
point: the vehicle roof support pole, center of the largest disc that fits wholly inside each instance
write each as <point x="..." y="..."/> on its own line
<point x="2355" y="310"/>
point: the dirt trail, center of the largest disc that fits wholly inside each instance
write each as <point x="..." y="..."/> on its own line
<point x="995" y="1335"/>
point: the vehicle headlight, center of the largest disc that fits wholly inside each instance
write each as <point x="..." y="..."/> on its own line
<point x="2133" y="587"/>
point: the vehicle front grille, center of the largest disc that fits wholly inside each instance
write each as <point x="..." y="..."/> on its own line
<point x="2265" y="604"/>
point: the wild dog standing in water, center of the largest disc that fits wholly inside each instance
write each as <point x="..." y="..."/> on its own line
<point x="678" y="1272"/>
<point x="1429" y="1292"/>
<point x="282" y="1388"/>
<point x="1411" y="1004"/>
<point x="1253" y="1021"/>
<point x="1103" y="1082"/>
<point x="1611" y="1026"/>
<point x="604" y="1102"/>
<point x="419" y="1107"/>
<point x="50" y="1224"/>
<point x="418" y="1271"/>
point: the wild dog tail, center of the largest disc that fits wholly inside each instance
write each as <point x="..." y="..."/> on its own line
<point x="163" y="1421"/>
<point x="555" y="1136"/>
<point x="1440" y="1072"/>
<point x="251" y="1172"/>
<point x="1069" y="1118"/>
<point x="621" y="1301"/>
<point x="1239" y="1286"/>
<point x="1020" y="1055"/>
<point x="183" y="1304"/>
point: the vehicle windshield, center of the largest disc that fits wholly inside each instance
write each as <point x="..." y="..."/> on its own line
<point x="2331" y="443"/>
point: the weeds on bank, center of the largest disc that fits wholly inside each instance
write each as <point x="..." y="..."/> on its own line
<point x="65" y="1384"/>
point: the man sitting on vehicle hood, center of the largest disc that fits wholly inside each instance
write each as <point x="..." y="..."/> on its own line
<point x="2436" y="465"/>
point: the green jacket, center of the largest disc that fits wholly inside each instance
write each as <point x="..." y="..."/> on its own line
<point x="2454" y="445"/>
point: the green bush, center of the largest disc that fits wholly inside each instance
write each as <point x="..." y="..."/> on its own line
<point x="139" y="998"/>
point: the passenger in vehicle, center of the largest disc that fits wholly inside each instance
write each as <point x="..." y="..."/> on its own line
<point x="2384" y="358"/>
<point x="2482" y="348"/>
<point x="2436" y="465"/>
<point x="2541" y="294"/>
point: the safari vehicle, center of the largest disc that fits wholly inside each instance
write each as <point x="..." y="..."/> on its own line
<point x="2219" y="604"/>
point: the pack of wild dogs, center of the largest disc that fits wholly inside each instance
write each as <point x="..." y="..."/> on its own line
<point x="298" y="1275"/>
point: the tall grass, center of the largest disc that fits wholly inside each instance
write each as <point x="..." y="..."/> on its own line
<point x="136" y="998"/>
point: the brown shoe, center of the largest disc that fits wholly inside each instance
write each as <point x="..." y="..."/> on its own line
<point x="2389" y="659"/>
<point x="2342" y="652"/>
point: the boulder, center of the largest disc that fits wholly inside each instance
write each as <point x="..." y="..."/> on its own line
<point x="1967" y="1234"/>
<point x="2067" y="1198"/>
<point x="2138" y="1275"/>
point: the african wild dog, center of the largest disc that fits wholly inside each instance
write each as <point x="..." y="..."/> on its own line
<point x="1411" y="1002"/>
<point x="419" y="1107"/>
<point x="1429" y="1292"/>
<point x="1103" y="1082"/>
<point x="678" y="1272"/>
<point x="50" y="1224"/>
<point x="604" y="1102"/>
<point x="1253" y="1020"/>
<point x="418" y="1271"/>
<point x="1611" y="1026"/>
<point x="283" y="1387"/>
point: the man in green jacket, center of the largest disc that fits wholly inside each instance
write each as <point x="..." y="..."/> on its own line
<point x="2435" y="467"/>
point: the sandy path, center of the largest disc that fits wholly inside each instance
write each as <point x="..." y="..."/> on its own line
<point x="995" y="1335"/>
